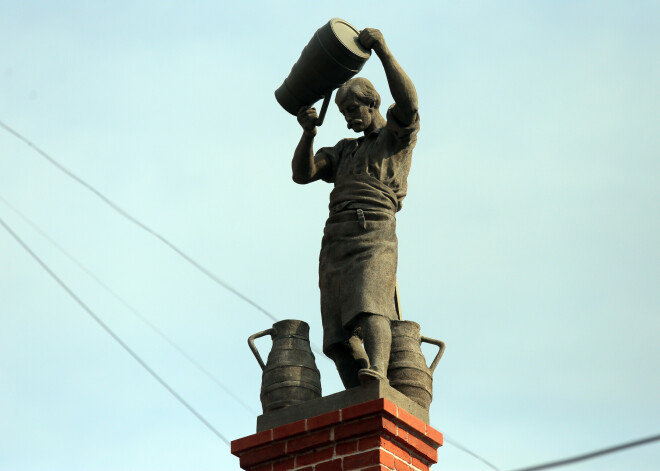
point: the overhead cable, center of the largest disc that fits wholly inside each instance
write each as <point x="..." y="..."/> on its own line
<point x="128" y="306"/>
<point x="464" y="449"/>
<point x="140" y="224"/>
<point x="112" y="334"/>
<point x="593" y="454"/>
<point x="136" y="357"/>
<point x="147" y="229"/>
<point x="231" y="289"/>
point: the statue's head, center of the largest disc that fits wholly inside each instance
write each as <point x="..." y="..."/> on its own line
<point x="358" y="101"/>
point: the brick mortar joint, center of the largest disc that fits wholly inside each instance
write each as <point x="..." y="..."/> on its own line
<point x="341" y="457"/>
<point x="396" y="420"/>
<point x="395" y="439"/>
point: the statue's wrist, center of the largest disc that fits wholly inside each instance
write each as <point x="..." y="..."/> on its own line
<point x="380" y="49"/>
<point x="310" y="133"/>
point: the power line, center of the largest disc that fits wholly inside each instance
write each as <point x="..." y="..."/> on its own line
<point x="147" y="229"/>
<point x="469" y="452"/>
<point x="140" y="224"/>
<point x="110" y="332"/>
<point x="136" y="357"/>
<point x="593" y="454"/>
<point x="186" y="257"/>
<point x="128" y="306"/>
<point x="154" y="328"/>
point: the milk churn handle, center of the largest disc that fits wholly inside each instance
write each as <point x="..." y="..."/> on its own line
<point x="438" y="343"/>
<point x="324" y="108"/>
<point x="251" y="339"/>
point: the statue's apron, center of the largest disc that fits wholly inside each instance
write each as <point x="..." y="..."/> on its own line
<point x="358" y="259"/>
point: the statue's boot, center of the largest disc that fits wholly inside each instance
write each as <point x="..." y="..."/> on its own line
<point x="367" y="375"/>
<point x="377" y="339"/>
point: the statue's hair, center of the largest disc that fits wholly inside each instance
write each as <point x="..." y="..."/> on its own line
<point x="363" y="90"/>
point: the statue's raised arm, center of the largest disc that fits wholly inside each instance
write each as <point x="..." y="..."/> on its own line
<point x="401" y="87"/>
<point x="305" y="167"/>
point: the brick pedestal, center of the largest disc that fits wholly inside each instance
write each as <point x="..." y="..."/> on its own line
<point x="373" y="436"/>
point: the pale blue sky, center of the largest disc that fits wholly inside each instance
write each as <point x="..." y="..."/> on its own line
<point x="528" y="241"/>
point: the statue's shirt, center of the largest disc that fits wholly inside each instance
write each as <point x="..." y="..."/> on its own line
<point x="384" y="154"/>
<point x="358" y="259"/>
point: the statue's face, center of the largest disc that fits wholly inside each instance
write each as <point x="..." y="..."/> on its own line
<point x="358" y="115"/>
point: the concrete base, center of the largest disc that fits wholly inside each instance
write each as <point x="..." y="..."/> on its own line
<point x="341" y="400"/>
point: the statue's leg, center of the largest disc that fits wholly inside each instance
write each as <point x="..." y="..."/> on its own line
<point x="349" y="358"/>
<point x="377" y="337"/>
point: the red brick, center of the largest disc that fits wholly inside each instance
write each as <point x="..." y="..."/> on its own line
<point x="251" y="441"/>
<point x="362" y="459"/>
<point x="285" y="465"/>
<point x="346" y="447"/>
<point x="266" y="467"/>
<point x="390" y="408"/>
<point x="288" y="430"/>
<point x="420" y="465"/>
<point x="390" y="426"/>
<point x="435" y="436"/>
<point x="421" y="448"/>
<point x="412" y="422"/>
<point x="359" y="427"/>
<point x="360" y="410"/>
<point x="324" y="420"/>
<point x="370" y="442"/>
<point x="386" y="459"/>
<point x="396" y="450"/>
<point x="373" y="457"/>
<point x="369" y="408"/>
<point x="401" y="466"/>
<point x="307" y="468"/>
<point x="334" y="465"/>
<point x="315" y="456"/>
<point x="402" y="441"/>
<point x="308" y="441"/>
<point x="259" y="455"/>
<point x="403" y="434"/>
<point x="376" y="468"/>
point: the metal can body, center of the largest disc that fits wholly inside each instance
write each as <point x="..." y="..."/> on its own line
<point x="407" y="371"/>
<point x="290" y="375"/>
<point x="332" y="56"/>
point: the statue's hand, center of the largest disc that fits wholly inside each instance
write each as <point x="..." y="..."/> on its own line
<point x="372" y="38"/>
<point x="307" y="118"/>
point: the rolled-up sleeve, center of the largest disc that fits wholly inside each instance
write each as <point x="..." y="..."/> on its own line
<point x="331" y="155"/>
<point x="404" y="134"/>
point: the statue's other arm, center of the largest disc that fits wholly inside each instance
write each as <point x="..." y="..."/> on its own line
<point x="304" y="166"/>
<point x="402" y="89"/>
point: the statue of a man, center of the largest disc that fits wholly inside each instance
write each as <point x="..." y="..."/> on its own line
<point x="358" y="260"/>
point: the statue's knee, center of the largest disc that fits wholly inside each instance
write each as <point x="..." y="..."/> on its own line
<point x="373" y="323"/>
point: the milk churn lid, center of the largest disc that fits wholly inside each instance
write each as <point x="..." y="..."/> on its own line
<point x="347" y="34"/>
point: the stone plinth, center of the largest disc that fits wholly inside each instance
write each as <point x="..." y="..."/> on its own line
<point x="341" y="400"/>
<point x="376" y="435"/>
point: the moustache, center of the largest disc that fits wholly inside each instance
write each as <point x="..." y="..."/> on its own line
<point x="353" y="122"/>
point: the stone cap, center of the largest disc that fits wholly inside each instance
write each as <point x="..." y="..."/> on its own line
<point x="341" y="400"/>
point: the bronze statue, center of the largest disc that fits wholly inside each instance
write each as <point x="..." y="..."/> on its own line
<point x="358" y="259"/>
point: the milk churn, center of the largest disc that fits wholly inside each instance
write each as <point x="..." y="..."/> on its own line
<point x="331" y="57"/>
<point x="407" y="370"/>
<point x="290" y="375"/>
